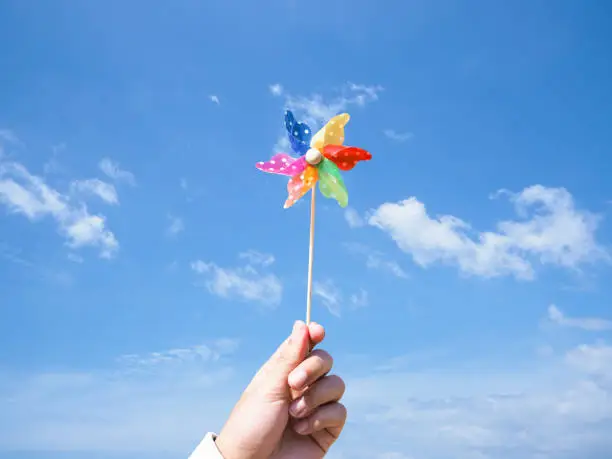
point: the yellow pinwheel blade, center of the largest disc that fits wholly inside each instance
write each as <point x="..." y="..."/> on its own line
<point x="332" y="133"/>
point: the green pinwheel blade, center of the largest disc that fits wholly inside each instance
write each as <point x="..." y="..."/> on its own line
<point x="331" y="183"/>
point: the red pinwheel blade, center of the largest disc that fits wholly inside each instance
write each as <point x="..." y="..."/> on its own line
<point x="345" y="157"/>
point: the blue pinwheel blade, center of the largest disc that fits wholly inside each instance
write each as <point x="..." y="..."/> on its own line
<point x="299" y="134"/>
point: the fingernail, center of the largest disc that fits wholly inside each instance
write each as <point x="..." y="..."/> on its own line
<point x="297" y="379"/>
<point x="301" y="427"/>
<point x="298" y="407"/>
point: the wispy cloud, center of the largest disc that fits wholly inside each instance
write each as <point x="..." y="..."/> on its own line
<point x="210" y="352"/>
<point x="215" y="99"/>
<point x="140" y="404"/>
<point x="584" y="323"/>
<point x="276" y="89"/>
<point x="353" y="218"/>
<point x="360" y="299"/>
<point x="243" y="282"/>
<point x="175" y="225"/>
<point x="29" y="195"/>
<point x="112" y="170"/>
<point x="257" y="258"/>
<point x="558" y="408"/>
<point x="75" y="258"/>
<point x="398" y="136"/>
<point x="329" y="295"/>
<point x="191" y="192"/>
<point x="97" y="187"/>
<point x="551" y="230"/>
<point x="162" y="401"/>
<point x="7" y="135"/>
<point x="316" y="109"/>
<point x="376" y="259"/>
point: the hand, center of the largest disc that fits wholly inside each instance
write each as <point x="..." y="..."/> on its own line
<point x="290" y="409"/>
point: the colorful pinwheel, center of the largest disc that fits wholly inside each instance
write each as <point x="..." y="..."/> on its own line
<point x="321" y="157"/>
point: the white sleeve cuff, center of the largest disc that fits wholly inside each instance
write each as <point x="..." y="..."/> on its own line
<point x="207" y="449"/>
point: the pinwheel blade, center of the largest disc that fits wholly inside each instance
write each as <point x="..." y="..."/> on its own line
<point x="283" y="164"/>
<point x="299" y="185"/>
<point x="331" y="183"/>
<point x="300" y="134"/>
<point x="345" y="157"/>
<point x="332" y="133"/>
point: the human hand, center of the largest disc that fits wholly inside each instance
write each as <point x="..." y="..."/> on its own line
<point x="291" y="407"/>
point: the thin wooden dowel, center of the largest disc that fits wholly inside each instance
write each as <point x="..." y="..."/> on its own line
<point x="310" y="256"/>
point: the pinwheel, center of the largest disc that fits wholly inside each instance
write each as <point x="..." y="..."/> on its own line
<point x="319" y="159"/>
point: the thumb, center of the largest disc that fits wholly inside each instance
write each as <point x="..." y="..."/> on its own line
<point x="289" y="354"/>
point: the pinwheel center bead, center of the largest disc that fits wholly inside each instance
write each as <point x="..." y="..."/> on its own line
<point x="313" y="156"/>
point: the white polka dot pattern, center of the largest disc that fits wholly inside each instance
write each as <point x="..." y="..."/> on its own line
<point x="283" y="164"/>
<point x="299" y="185"/>
<point x="332" y="133"/>
<point x="345" y="157"/>
<point x="331" y="183"/>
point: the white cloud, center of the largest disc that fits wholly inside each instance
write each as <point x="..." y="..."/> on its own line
<point x="282" y="145"/>
<point x="585" y="323"/>
<point x="353" y="218"/>
<point x="175" y="226"/>
<point x="257" y="258"/>
<point x="360" y="299"/>
<point x="243" y="283"/>
<point x="143" y="404"/>
<point x="27" y="194"/>
<point x="103" y="190"/>
<point x="276" y="89"/>
<point x="398" y="136"/>
<point x="551" y="230"/>
<point x="595" y="360"/>
<point x="377" y="260"/>
<point x="329" y="294"/>
<point x="8" y="136"/>
<point x="210" y="352"/>
<point x="87" y="229"/>
<point x="315" y="110"/>
<point x="215" y="99"/>
<point x="73" y="257"/>
<point x="161" y="403"/>
<point x="529" y="411"/>
<point x="112" y="170"/>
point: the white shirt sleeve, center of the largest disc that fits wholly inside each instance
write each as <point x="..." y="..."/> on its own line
<point x="207" y="449"/>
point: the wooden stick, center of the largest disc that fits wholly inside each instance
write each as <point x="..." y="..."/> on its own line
<point x="310" y="256"/>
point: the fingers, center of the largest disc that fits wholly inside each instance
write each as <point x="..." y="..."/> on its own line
<point x="326" y="390"/>
<point x="291" y="351"/>
<point x="317" y="333"/>
<point x="315" y="366"/>
<point x="330" y="417"/>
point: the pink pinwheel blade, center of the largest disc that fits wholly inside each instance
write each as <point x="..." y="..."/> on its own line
<point x="283" y="164"/>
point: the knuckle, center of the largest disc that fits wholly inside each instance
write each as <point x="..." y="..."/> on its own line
<point x="338" y="383"/>
<point x="307" y="403"/>
<point x="324" y="356"/>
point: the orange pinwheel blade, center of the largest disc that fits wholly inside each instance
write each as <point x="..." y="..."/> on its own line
<point x="345" y="157"/>
<point x="299" y="185"/>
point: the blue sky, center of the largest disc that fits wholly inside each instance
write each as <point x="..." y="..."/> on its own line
<point x="147" y="268"/>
